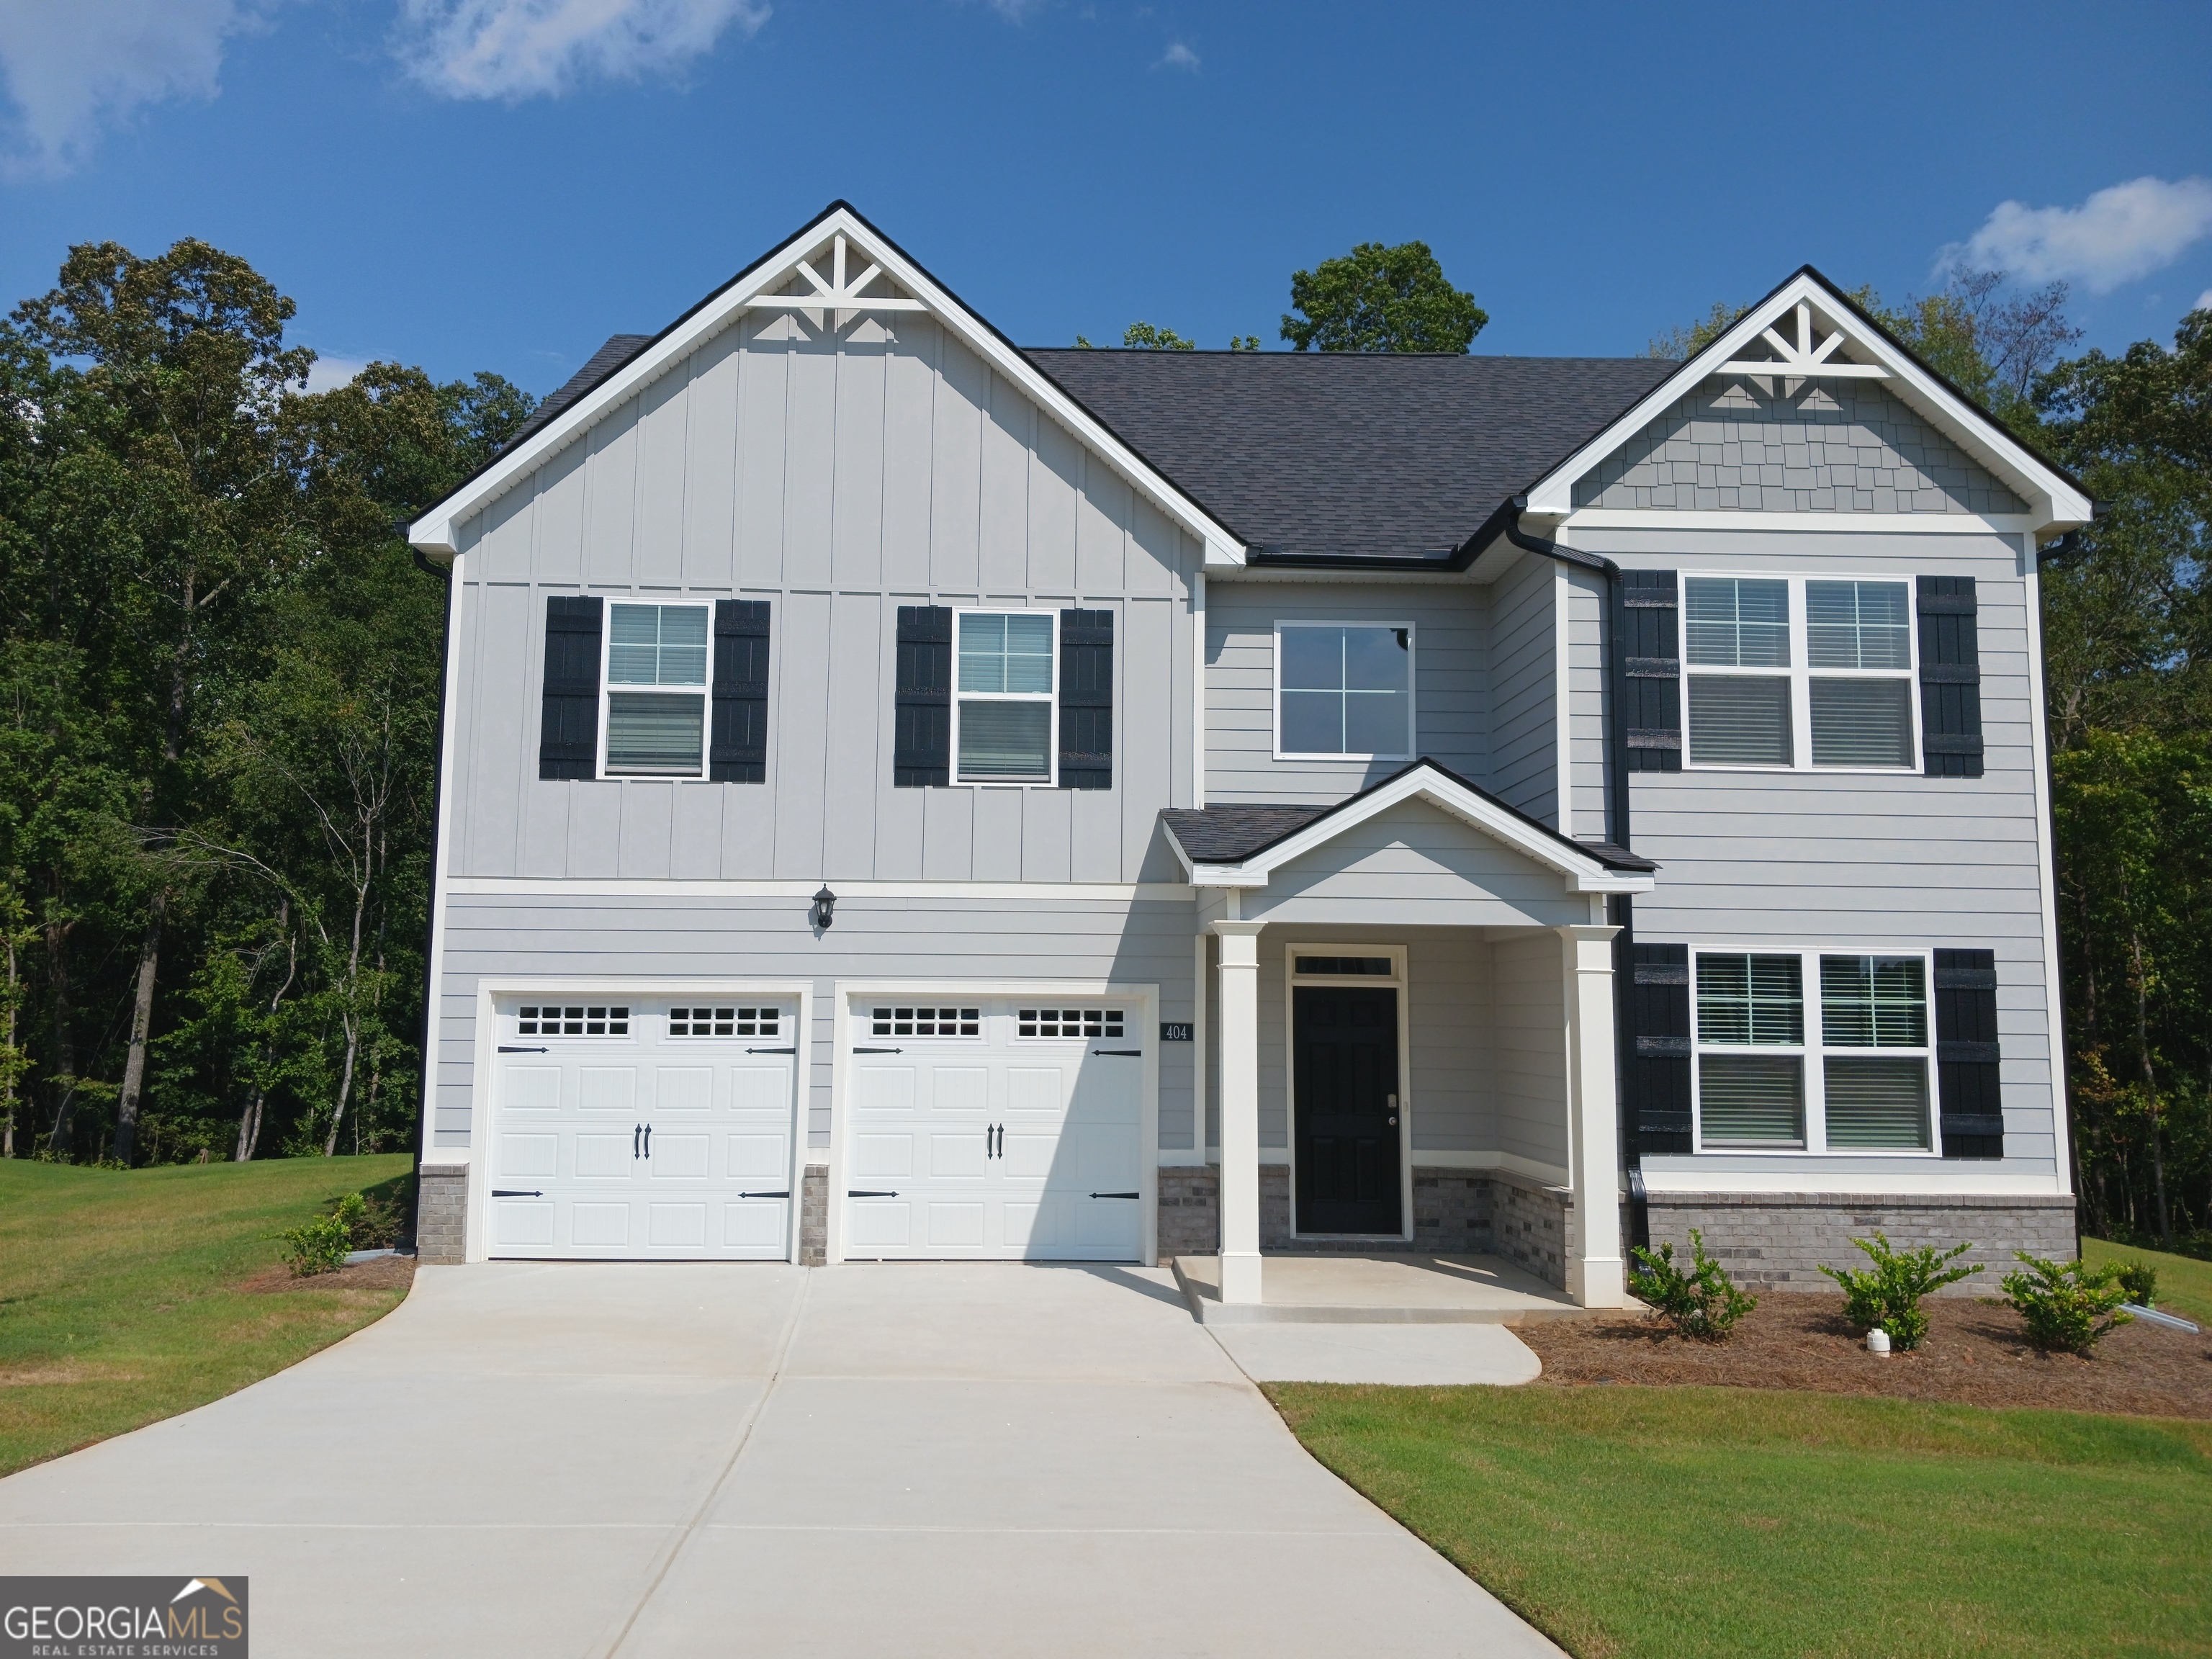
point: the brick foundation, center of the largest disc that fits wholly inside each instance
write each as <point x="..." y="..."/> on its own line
<point x="441" y="1215"/>
<point x="814" y="1215"/>
<point x="1190" y="1209"/>
<point x="1781" y="1241"/>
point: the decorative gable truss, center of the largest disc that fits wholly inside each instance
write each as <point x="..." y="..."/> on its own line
<point x="1805" y="405"/>
<point x="837" y="274"/>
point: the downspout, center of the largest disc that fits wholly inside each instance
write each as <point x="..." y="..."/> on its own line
<point x="1619" y="905"/>
<point x="431" y="896"/>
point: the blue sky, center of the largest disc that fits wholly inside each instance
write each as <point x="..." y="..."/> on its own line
<point x="499" y="184"/>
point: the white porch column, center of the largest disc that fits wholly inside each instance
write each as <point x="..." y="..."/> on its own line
<point x="1238" y="1015"/>
<point x="1595" y="1276"/>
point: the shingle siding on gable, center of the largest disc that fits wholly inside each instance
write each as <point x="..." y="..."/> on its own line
<point x="1848" y="447"/>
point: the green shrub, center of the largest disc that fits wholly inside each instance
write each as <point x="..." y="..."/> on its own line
<point x="1699" y="1304"/>
<point x="322" y="1245"/>
<point x="2064" y="1302"/>
<point x="2139" y="1279"/>
<point x="1888" y="1293"/>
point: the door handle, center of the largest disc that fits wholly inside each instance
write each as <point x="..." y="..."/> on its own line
<point x="648" y="1140"/>
<point x="635" y="1129"/>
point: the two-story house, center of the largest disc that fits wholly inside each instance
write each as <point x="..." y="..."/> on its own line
<point x="903" y="795"/>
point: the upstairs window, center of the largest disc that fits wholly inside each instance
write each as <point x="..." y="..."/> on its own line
<point x="1799" y="674"/>
<point x="1003" y="708"/>
<point x="1344" y="690"/>
<point x="658" y="732"/>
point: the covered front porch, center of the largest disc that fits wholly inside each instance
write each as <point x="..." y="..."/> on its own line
<point x="1407" y="1022"/>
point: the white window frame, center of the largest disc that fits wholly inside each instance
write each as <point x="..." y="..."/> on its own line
<point x="1413" y="682"/>
<point x="1800" y="673"/>
<point x="608" y="687"/>
<point x="1051" y="779"/>
<point x="1815" y="1052"/>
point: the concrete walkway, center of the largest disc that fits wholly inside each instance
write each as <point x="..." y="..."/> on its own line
<point x="671" y="1460"/>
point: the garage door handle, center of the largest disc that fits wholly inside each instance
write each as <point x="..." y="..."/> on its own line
<point x="771" y="1051"/>
<point x="786" y="1192"/>
<point x="1138" y="1053"/>
<point x="1117" y="1194"/>
<point x="861" y="1194"/>
<point x="510" y="1049"/>
<point x="497" y="1192"/>
<point x="648" y="1140"/>
<point x="636" y="1130"/>
<point x="878" y="1051"/>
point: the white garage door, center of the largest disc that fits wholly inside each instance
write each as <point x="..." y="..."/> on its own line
<point x="628" y="1127"/>
<point x="996" y="1128"/>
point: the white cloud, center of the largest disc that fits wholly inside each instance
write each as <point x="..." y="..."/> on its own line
<point x="2203" y="302"/>
<point x="329" y="372"/>
<point x="71" y="69"/>
<point x="2121" y="233"/>
<point x="515" y="49"/>
<point x="1178" y="56"/>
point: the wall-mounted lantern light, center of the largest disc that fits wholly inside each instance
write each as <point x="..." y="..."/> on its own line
<point x="824" y="911"/>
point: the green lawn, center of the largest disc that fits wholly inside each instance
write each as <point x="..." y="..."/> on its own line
<point x="2184" y="1284"/>
<point x="117" y="1305"/>
<point x="1672" y="1522"/>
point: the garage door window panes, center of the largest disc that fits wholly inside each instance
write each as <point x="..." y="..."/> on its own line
<point x="697" y="1022"/>
<point x="546" y="1020"/>
<point x="1065" y="1022"/>
<point x="1005" y="701"/>
<point x="927" y="1022"/>
<point x="661" y="733"/>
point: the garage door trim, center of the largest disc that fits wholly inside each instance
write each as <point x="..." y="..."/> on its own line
<point x="483" y="1104"/>
<point x="1144" y="998"/>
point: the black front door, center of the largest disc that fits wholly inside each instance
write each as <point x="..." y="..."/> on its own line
<point x="1345" y="1059"/>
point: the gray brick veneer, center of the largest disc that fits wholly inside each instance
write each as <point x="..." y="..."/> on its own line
<point x="814" y="1215"/>
<point x="441" y="1215"/>
<point x="1190" y="1209"/>
<point x="1780" y="1241"/>
<point x="1814" y="448"/>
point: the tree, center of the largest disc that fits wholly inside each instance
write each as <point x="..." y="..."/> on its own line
<point x="1681" y="343"/>
<point x="1143" y="337"/>
<point x="1244" y="342"/>
<point x="1381" y="298"/>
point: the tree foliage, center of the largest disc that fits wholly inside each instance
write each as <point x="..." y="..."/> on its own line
<point x="218" y="706"/>
<point x="1381" y="298"/>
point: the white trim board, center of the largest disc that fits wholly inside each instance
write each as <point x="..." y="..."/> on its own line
<point x="2056" y="504"/>
<point x="441" y="884"/>
<point x="1900" y="1183"/>
<point x="1584" y="873"/>
<point x="440" y="529"/>
<point x="1862" y="524"/>
<point x="1109" y="892"/>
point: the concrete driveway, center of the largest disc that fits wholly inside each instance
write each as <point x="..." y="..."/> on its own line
<point x="671" y="1460"/>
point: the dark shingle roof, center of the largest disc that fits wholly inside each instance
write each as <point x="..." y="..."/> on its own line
<point x="618" y="351"/>
<point x="1380" y="455"/>
<point x="1230" y="835"/>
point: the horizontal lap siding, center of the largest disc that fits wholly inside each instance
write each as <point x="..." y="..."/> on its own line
<point x="1586" y="705"/>
<point x="590" y="939"/>
<point x="1415" y="866"/>
<point x="1527" y="1032"/>
<point x="837" y="479"/>
<point x="1451" y="701"/>
<point x="1524" y="729"/>
<point x="1801" y="860"/>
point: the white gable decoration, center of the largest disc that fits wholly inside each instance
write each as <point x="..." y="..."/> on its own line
<point x="839" y="270"/>
<point x="1807" y="330"/>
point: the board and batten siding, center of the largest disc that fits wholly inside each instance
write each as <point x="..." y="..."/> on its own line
<point x="589" y="937"/>
<point x="1801" y="859"/>
<point x="1450" y="683"/>
<point x="837" y="478"/>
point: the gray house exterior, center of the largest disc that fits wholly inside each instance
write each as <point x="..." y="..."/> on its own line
<point x="903" y="795"/>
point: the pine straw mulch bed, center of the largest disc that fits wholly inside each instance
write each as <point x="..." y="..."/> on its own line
<point x="385" y="1273"/>
<point x="1975" y="1354"/>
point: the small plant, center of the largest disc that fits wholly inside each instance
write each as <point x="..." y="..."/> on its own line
<point x="2064" y="1303"/>
<point x="321" y="1245"/>
<point x="2140" y="1280"/>
<point x="1888" y="1293"/>
<point x="1699" y="1304"/>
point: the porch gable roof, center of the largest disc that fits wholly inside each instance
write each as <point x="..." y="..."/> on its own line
<point x="1240" y="846"/>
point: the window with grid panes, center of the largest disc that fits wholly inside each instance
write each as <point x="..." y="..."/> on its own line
<point x="1751" y="1034"/>
<point x="1003" y="711"/>
<point x="544" y="1019"/>
<point x="1862" y="718"/>
<point x="1063" y="1022"/>
<point x="659" y="733"/>
<point x="1877" y="1101"/>
<point x="1735" y="636"/>
<point x="697" y="1022"/>
<point x="919" y="1021"/>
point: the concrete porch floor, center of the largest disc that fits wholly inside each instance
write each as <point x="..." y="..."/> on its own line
<point x="1384" y="1288"/>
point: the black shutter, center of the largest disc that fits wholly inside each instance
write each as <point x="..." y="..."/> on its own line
<point x="569" y="736"/>
<point x="1647" y="643"/>
<point x="1086" y="700"/>
<point x="921" y="712"/>
<point x="1971" y="1107"/>
<point x="737" y="749"/>
<point x="1950" y="678"/>
<point x="1656" y="1092"/>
